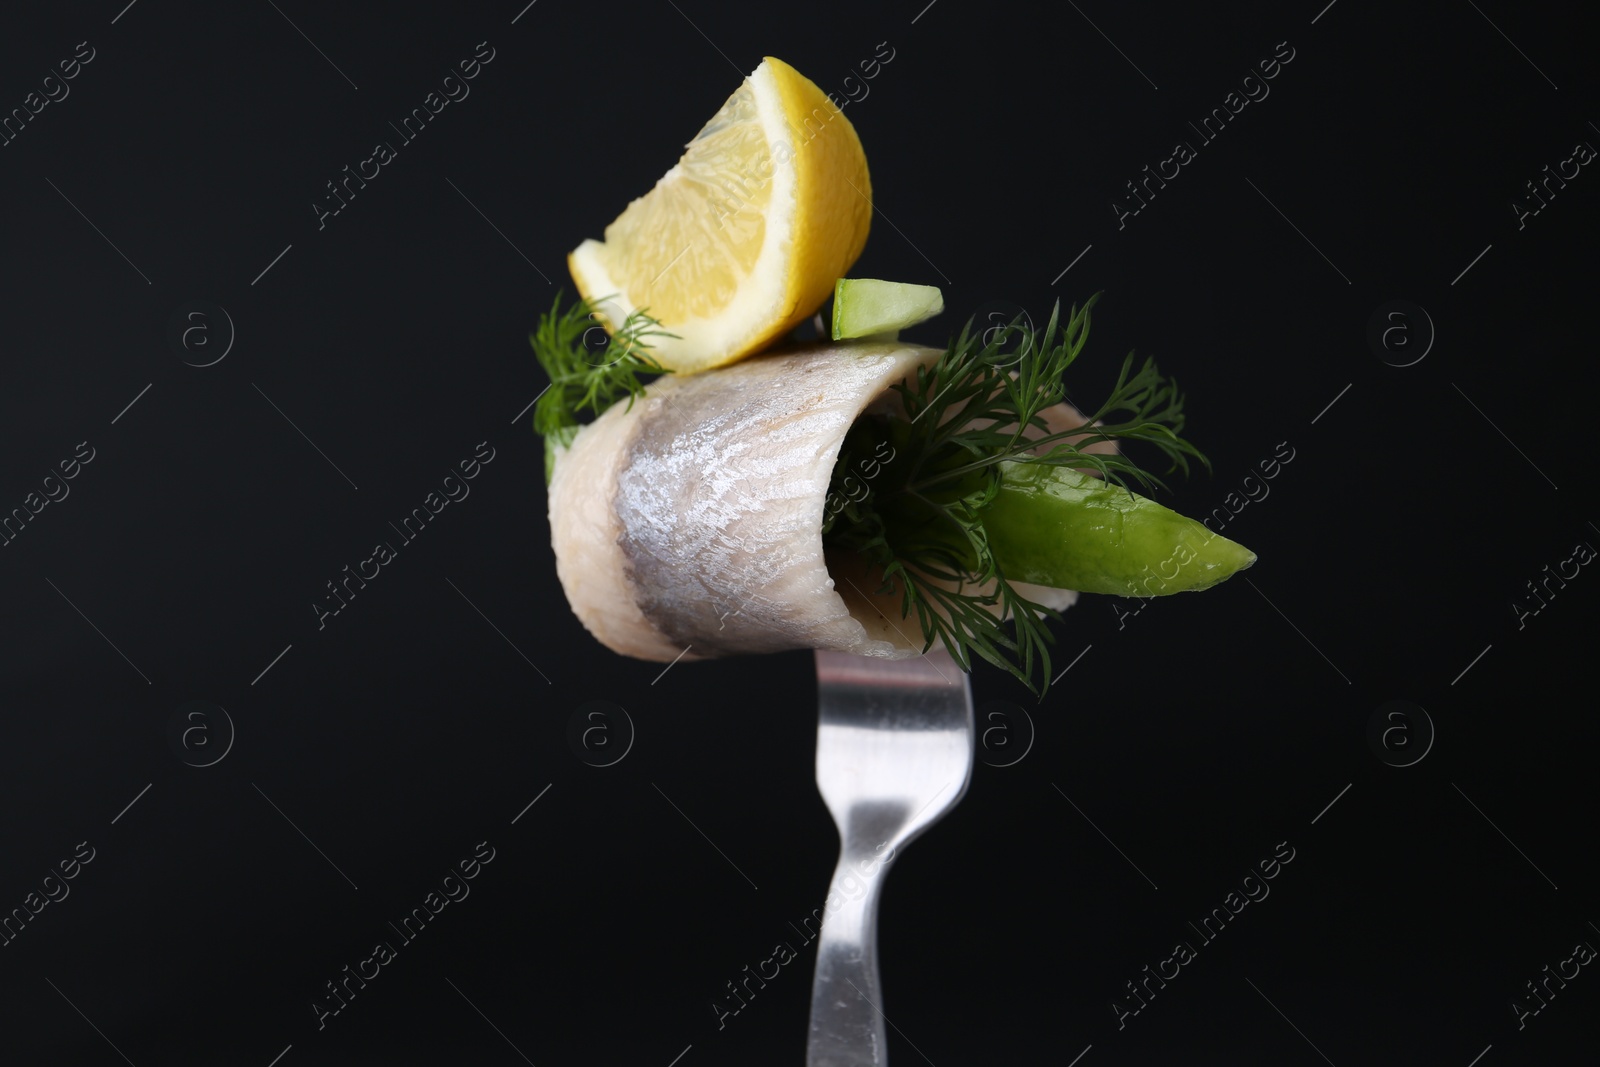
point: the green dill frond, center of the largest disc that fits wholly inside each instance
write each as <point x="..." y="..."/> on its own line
<point x="584" y="378"/>
<point x="965" y="414"/>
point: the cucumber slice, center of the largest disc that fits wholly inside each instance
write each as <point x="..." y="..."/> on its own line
<point x="867" y="307"/>
<point x="1059" y="527"/>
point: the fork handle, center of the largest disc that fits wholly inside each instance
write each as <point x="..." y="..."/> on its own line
<point x="846" y="996"/>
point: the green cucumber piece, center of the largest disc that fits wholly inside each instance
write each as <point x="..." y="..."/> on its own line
<point x="867" y="307"/>
<point x="1058" y="527"/>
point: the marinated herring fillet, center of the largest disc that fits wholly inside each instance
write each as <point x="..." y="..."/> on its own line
<point x="692" y="519"/>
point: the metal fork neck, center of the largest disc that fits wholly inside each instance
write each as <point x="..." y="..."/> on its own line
<point x="846" y="1017"/>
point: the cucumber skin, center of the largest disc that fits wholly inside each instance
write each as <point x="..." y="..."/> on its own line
<point x="1057" y="527"/>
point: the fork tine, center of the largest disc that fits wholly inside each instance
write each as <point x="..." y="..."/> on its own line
<point x="934" y="668"/>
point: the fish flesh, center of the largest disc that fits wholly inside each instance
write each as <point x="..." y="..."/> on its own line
<point x="688" y="523"/>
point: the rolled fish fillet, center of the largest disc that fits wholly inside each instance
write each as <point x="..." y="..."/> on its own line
<point x="693" y="519"/>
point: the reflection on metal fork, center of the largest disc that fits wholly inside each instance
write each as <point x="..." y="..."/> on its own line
<point x="894" y="753"/>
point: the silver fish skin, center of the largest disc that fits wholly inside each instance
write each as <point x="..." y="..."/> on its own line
<point x="692" y="519"/>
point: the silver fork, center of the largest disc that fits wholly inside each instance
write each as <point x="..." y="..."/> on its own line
<point x="894" y="753"/>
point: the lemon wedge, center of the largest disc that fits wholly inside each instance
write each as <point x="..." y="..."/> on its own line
<point x="743" y="239"/>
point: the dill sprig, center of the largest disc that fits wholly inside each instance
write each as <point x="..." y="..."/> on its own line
<point x="585" y="378"/>
<point x="965" y="415"/>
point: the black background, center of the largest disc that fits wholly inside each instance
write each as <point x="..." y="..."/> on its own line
<point x="1197" y="735"/>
